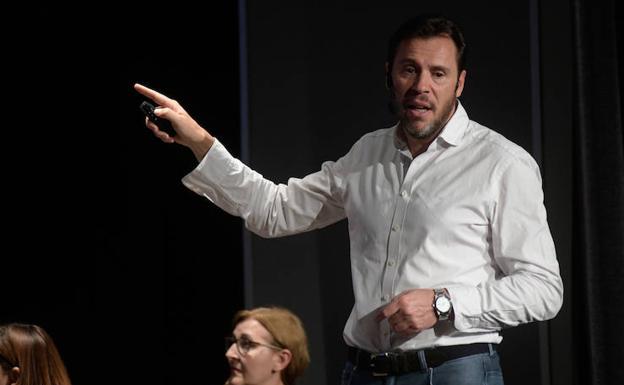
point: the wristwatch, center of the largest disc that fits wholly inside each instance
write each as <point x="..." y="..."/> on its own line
<point x="442" y="304"/>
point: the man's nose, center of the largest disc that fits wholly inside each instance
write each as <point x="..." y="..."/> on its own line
<point x="421" y="83"/>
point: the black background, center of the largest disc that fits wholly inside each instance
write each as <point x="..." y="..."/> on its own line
<point x="103" y="245"/>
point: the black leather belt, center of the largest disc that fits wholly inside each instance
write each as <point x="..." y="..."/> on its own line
<point x="401" y="362"/>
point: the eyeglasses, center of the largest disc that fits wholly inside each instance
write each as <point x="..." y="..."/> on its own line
<point x="244" y="344"/>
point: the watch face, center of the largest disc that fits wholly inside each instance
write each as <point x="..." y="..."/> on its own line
<point x="443" y="304"/>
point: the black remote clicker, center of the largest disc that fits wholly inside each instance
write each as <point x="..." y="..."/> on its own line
<point x="163" y="124"/>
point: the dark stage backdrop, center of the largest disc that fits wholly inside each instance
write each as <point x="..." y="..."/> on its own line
<point x="134" y="276"/>
<point x="598" y="191"/>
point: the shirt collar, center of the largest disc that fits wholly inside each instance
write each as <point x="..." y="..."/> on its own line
<point x="452" y="133"/>
<point x="455" y="129"/>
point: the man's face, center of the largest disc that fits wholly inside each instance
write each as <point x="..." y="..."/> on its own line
<point x="425" y="84"/>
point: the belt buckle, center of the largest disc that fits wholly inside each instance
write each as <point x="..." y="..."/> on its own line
<point x="381" y="364"/>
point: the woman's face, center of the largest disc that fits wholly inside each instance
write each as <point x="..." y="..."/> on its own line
<point x="6" y="376"/>
<point x="253" y="359"/>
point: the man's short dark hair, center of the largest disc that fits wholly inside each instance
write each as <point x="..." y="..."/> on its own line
<point x="425" y="26"/>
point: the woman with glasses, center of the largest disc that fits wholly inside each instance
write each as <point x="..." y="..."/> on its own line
<point x="28" y="356"/>
<point x="268" y="347"/>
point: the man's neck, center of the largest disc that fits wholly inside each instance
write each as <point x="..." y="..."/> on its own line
<point x="418" y="146"/>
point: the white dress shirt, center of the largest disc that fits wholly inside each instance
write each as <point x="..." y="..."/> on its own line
<point x="466" y="215"/>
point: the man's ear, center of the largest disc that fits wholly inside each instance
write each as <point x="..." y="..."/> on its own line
<point x="388" y="77"/>
<point x="460" y="83"/>
<point x="14" y="375"/>
<point x="283" y="358"/>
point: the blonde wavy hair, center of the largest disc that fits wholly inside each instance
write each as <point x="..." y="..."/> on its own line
<point x="287" y="332"/>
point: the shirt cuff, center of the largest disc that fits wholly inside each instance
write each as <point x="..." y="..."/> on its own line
<point x="216" y="164"/>
<point x="466" y="307"/>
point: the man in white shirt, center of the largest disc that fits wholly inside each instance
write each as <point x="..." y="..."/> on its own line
<point x="448" y="231"/>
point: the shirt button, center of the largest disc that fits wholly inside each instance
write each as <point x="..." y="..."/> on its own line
<point x="395" y="228"/>
<point x="390" y="263"/>
<point x="403" y="193"/>
<point x="384" y="298"/>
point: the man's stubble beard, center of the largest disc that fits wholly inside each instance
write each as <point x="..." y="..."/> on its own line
<point x="432" y="128"/>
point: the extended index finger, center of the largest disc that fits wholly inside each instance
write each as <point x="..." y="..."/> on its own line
<point x="156" y="96"/>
